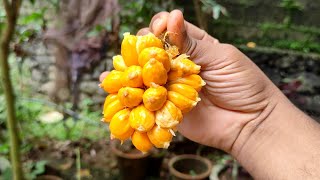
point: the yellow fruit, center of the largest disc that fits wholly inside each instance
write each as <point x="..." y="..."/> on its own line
<point x="130" y="97"/>
<point x="132" y="77"/>
<point x="183" y="103"/>
<point x="142" y="119"/>
<point x="156" y="53"/>
<point x="187" y="66"/>
<point x="118" y="63"/>
<point x="168" y="116"/>
<point x="119" y="125"/>
<point x="185" y="90"/>
<point x="128" y="49"/>
<point x="193" y="80"/>
<point x="149" y="40"/>
<point x="160" y="137"/>
<point x="154" y="72"/>
<point x="113" y="82"/>
<point x="154" y="97"/>
<point x="110" y="98"/>
<point x="111" y="109"/>
<point x="175" y="74"/>
<point x="141" y="141"/>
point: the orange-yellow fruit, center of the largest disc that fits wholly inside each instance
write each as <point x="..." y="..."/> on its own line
<point x="113" y="82"/>
<point x="154" y="72"/>
<point x="160" y="137"/>
<point x="193" y="80"/>
<point x="132" y="77"/>
<point x="118" y="63"/>
<point x="156" y="53"/>
<point x="154" y="97"/>
<point x="187" y="66"/>
<point x="110" y="98"/>
<point x="185" y="90"/>
<point x="111" y="109"/>
<point x="175" y="74"/>
<point x="130" y="97"/>
<point x="141" y="141"/>
<point x="119" y="125"/>
<point x="142" y="119"/>
<point x="149" y="40"/>
<point x="183" y="103"/>
<point x="168" y="116"/>
<point x="128" y="49"/>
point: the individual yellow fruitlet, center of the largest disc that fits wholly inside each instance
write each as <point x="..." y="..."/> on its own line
<point x="168" y="116"/>
<point x="160" y="137"/>
<point x="110" y="98"/>
<point x="156" y="53"/>
<point x="119" y="126"/>
<point x="130" y="97"/>
<point x="149" y="40"/>
<point x="154" y="72"/>
<point x="154" y="97"/>
<point x="141" y="141"/>
<point x="175" y="74"/>
<point x="132" y="77"/>
<point x="193" y="80"/>
<point x="183" y="103"/>
<point x="128" y="49"/>
<point x="111" y="109"/>
<point x="187" y="66"/>
<point x="185" y="90"/>
<point x="142" y="119"/>
<point x="112" y="82"/>
<point x="118" y="63"/>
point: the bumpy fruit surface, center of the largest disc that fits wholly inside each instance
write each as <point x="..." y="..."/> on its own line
<point x="154" y="97"/>
<point x="142" y="119"/>
<point x="154" y="72"/>
<point x="128" y="49"/>
<point x="160" y="137"/>
<point x="141" y="141"/>
<point x="130" y="97"/>
<point x="182" y="102"/>
<point x="132" y="77"/>
<point x="150" y="89"/>
<point x="111" y="109"/>
<point x="168" y="116"/>
<point x="156" y="53"/>
<point x="193" y="80"/>
<point x="118" y="63"/>
<point x="119" y="125"/>
<point x="113" y="82"/>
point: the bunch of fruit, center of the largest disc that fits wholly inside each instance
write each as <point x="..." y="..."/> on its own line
<point x="150" y="89"/>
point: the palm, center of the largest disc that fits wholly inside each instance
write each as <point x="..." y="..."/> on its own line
<point x="233" y="95"/>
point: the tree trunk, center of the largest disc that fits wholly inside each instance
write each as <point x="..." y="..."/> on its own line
<point x="12" y="9"/>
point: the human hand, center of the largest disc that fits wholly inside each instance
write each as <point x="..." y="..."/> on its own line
<point x="237" y="93"/>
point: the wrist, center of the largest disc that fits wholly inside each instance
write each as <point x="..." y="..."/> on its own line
<point x="278" y="141"/>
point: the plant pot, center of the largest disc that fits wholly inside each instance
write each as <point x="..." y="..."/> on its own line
<point x="189" y="166"/>
<point x="132" y="163"/>
<point x="155" y="162"/>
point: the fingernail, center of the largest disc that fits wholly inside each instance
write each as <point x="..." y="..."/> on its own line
<point x="157" y="23"/>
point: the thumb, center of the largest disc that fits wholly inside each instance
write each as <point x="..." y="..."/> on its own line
<point x="187" y="41"/>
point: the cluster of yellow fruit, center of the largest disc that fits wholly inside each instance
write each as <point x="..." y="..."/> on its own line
<point x="149" y="90"/>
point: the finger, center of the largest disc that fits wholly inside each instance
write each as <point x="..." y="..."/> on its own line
<point x="103" y="75"/>
<point x="198" y="33"/>
<point x="177" y="31"/>
<point x="143" y="31"/>
<point x="158" y="23"/>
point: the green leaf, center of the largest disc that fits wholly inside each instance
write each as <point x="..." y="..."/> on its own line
<point x="33" y="17"/>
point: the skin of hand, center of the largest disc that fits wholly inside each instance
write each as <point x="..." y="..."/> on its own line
<point x="241" y="111"/>
<point x="236" y="91"/>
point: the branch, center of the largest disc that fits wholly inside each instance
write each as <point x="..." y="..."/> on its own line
<point x="7" y="6"/>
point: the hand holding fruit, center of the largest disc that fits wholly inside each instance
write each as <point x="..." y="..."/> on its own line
<point x="237" y="92"/>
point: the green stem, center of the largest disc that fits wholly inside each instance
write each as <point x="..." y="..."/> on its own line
<point x="12" y="11"/>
